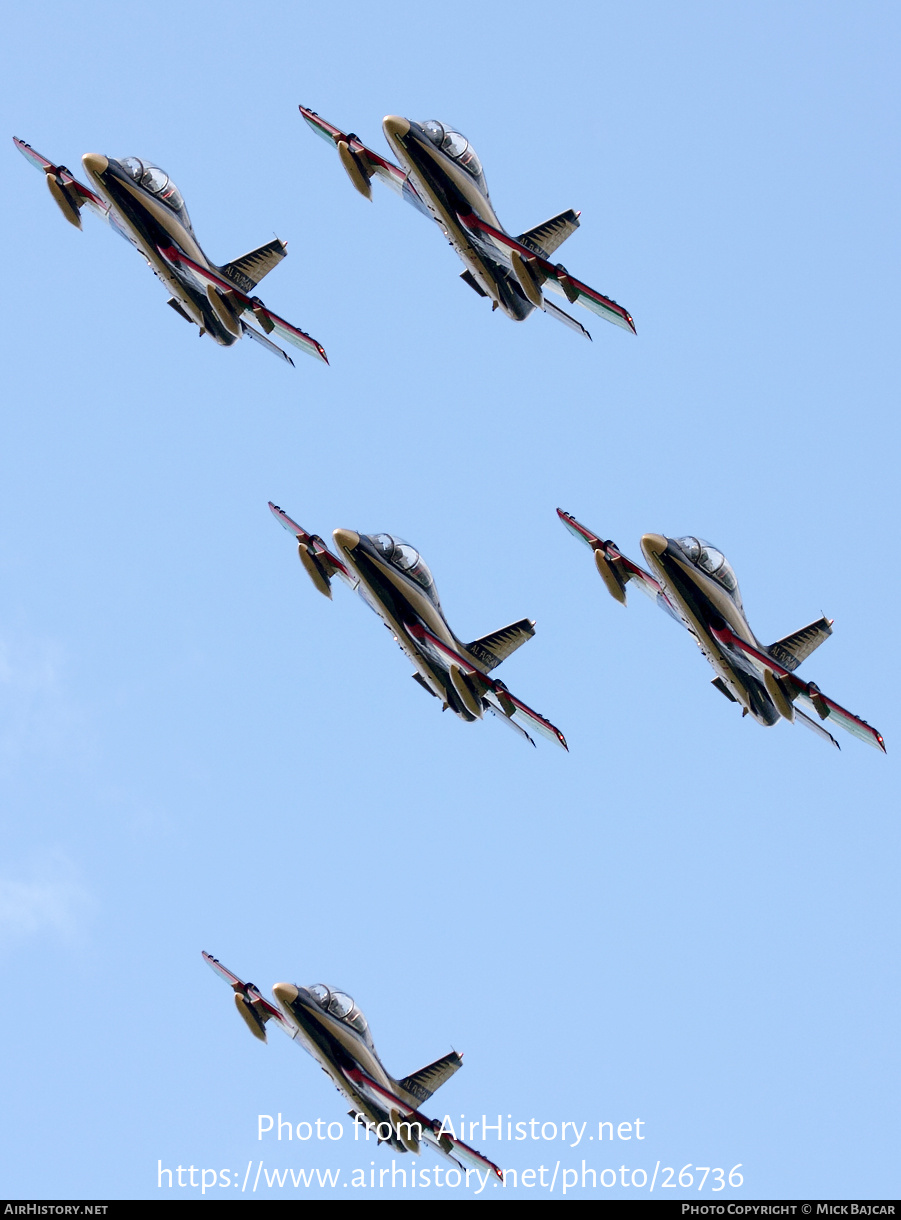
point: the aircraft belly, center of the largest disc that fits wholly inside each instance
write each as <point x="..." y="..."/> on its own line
<point x="146" y="245"/>
<point x="143" y="230"/>
<point x="376" y="603"/>
<point x="194" y="296"/>
<point x="365" y="1105"/>
<point x="485" y="270"/>
<point x="740" y="681"/>
<point x="480" y="268"/>
<point x="334" y="1044"/>
<point x="398" y="602"/>
<point x="415" y="608"/>
<point x="720" y="662"/>
<point x="717" y="660"/>
<point x="308" y="1044"/>
<point x="320" y="1049"/>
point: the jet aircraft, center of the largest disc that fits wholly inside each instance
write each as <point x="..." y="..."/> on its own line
<point x="144" y="206"/>
<point x="442" y="177"/>
<point x="695" y="584"/>
<point x="394" y="581"/>
<point x="329" y="1025"/>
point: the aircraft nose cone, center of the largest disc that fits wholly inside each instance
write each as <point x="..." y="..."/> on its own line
<point x="349" y="539"/>
<point x="654" y="545"/>
<point x="654" y="542"/>
<point x="285" y="993"/>
<point x="95" y="163"/>
<point x="394" y="125"/>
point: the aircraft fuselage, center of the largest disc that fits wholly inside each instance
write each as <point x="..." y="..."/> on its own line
<point x="150" y="225"/>
<point x="704" y="606"/>
<point x="400" y="602"/>
<point x="338" y="1049"/>
<point x="447" y="190"/>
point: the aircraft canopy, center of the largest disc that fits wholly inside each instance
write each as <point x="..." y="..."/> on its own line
<point x="340" y="1005"/>
<point x="155" y="180"/>
<point x="711" y="561"/>
<point x="455" y="145"/>
<point x="406" y="559"/>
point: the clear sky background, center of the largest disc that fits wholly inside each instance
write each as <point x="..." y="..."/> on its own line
<point x="689" y="919"/>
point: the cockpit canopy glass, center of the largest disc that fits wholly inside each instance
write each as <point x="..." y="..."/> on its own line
<point x="158" y="183"/>
<point x="711" y="561"/>
<point x="340" y="1005"/>
<point x="406" y="559"/>
<point x="456" y="146"/>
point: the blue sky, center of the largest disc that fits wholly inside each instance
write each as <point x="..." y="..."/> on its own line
<point x="687" y="920"/>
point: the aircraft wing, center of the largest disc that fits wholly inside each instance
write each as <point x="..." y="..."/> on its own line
<point x="446" y="1143"/>
<point x="815" y="727"/>
<point x="70" y="194"/>
<point x="320" y="563"/>
<point x="534" y="272"/>
<point x="360" y="162"/>
<point x="270" y="322"/>
<point x="493" y="692"/>
<point x="562" y="316"/>
<point x="827" y="709"/>
<point x="807" y="693"/>
<point x="617" y="569"/>
<point x="254" y="1008"/>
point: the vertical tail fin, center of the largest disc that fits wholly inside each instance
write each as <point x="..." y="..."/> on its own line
<point x="797" y="647"/>
<point x="496" y="647"/>
<point x="428" y="1080"/>
<point x="545" y="238"/>
<point x="247" y="271"/>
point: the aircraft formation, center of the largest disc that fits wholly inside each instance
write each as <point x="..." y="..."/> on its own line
<point x="438" y="172"/>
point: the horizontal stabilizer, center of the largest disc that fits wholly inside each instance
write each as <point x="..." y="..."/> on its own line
<point x="546" y="238"/>
<point x="496" y="647"/>
<point x="808" y="723"/>
<point x="554" y="311"/>
<point x="534" y="271"/>
<point x="251" y="333"/>
<point x="511" y="723"/>
<point x="795" y="691"/>
<point x="428" y="1080"/>
<point x="493" y="693"/>
<point x="798" y="646"/>
<point x="239" y="302"/>
<point x="247" y="271"/>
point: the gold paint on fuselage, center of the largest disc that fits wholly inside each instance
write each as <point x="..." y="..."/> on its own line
<point x="288" y="994"/>
<point x="395" y="129"/>
<point x="347" y="542"/>
<point x="653" y="546"/>
<point x="96" y="166"/>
